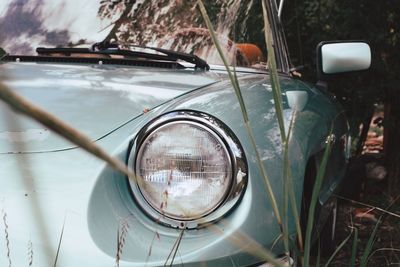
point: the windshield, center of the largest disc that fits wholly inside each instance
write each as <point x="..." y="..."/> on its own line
<point x="176" y="25"/>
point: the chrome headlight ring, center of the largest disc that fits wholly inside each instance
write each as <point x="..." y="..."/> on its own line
<point x="154" y="187"/>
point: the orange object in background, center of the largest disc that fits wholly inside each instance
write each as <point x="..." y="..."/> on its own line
<point x="251" y="52"/>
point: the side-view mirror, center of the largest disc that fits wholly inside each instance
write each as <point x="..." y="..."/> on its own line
<point x="342" y="56"/>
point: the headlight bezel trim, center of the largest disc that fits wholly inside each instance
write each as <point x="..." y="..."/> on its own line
<point x="239" y="175"/>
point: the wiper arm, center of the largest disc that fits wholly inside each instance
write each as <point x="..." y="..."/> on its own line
<point x="106" y="48"/>
<point x="198" y="62"/>
<point x="119" y="52"/>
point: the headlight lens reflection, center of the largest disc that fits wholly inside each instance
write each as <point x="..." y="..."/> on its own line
<point x="184" y="170"/>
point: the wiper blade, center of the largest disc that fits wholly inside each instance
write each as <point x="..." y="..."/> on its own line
<point x="198" y="62"/>
<point x="70" y="50"/>
<point x="106" y="48"/>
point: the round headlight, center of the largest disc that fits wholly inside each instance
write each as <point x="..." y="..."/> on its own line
<point x="184" y="170"/>
<point x="190" y="168"/>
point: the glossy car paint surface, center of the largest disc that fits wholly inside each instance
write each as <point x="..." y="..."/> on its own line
<point x="60" y="204"/>
<point x="96" y="99"/>
<point x="50" y="188"/>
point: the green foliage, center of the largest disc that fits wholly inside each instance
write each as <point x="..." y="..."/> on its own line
<point x="236" y="88"/>
<point x="368" y="247"/>
<point x="310" y="21"/>
<point x="314" y="199"/>
<point x="341" y="245"/>
<point x="354" y="249"/>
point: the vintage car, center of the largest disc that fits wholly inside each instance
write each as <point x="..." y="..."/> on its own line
<point x="198" y="197"/>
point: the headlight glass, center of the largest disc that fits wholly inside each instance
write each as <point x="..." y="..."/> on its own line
<point x="184" y="170"/>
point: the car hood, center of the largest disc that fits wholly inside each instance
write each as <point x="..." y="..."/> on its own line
<point x="95" y="99"/>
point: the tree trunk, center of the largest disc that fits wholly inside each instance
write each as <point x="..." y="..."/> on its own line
<point x="392" y="140"/>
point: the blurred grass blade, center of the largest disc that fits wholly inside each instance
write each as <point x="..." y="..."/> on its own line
<point x="289" y="190"/>
<point x="30" y="253"/>
<point x="6" y="236"/>
<point x="314" y="198"/>
<point x="295" y="212"/>
<point x="174" y="249"/>
<point x="118" y="252"/>
<point x="387" y="250"/>
<point x="248" y="244"/>
<point x="318" y="261"/>
<point x="338" y="249"/>
<point x="370" y="244"/>
<point x="295" y="252"/>
<point x="233" y="79"/>
<point x="285" y="214"/>
<point x="236" y="87"/>
<point x="369" y="206"/>
<point x="122" y="230"/>
<point x="286" y="188"/>
<point x="177" y="247"/>
<point x="60" y="241"/>
<point x="25" y="107"/>
<point x="368" y="248"/>
<point x="276" y="240"/>
<point x="354" y="249"/>
<point x="276" y="89"/>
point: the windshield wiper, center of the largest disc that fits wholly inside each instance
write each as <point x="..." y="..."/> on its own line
<point x="106" y="48"/>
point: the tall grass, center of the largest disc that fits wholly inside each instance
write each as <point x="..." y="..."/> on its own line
<point x="30" y="253"/>
<point x="282" y="216"/>
<point x="22" y="105"/>
<point x="7" y="236"/>
<point x="314" y="199"/>
<point x="341" y="245"/>
<point x="122" y="231"/>
<point x="277" y="95"/>
<point x="370" y="243"/>
<point x="288" y="190"/>
<point x="248" y="244"/>
<point x="172" y="254"/>
<point x="236" y="87"/>
<point x="59" y="242"/>
<point x="352" y="262"/>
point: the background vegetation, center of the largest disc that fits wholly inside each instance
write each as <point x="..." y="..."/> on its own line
<point x="377" y="22"/>
<point x="307" y="23"/>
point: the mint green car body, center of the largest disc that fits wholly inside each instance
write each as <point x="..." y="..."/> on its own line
<point x="62" y="206"/>
<point x="50" y="188"/>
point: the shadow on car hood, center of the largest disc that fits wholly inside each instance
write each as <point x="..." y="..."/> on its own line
<point x="95" y="99"/>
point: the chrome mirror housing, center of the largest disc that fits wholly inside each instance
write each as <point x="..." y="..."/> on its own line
<point x="341" y="57"/>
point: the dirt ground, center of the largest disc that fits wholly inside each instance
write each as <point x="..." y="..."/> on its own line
<point x="386" y="248"/>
